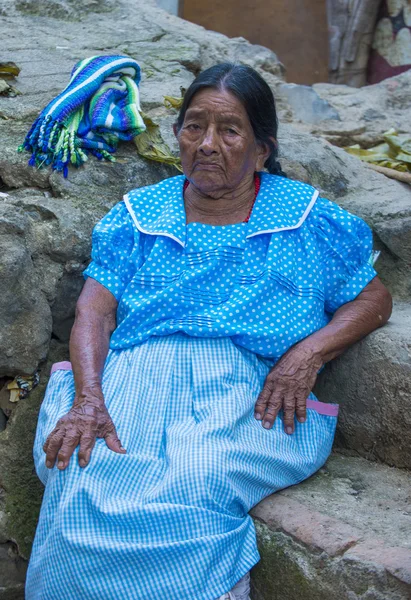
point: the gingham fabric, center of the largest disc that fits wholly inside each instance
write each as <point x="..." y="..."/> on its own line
<point x="168" y="520"/>
<point x="267" y="283"/>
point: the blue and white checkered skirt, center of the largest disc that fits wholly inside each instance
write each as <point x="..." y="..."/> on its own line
<point x="169" y="519"/>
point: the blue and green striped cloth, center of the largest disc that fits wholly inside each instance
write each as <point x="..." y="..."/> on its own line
<point x="99" y="107"/>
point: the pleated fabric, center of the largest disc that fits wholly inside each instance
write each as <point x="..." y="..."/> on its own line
<point x="169" y="519"/>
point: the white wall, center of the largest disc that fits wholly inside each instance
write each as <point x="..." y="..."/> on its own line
<point x="170" y="6"/>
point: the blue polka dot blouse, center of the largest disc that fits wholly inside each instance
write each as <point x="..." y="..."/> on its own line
<point x="266" y="284"/>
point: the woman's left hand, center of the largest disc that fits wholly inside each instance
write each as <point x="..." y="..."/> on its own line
<point x="288" y="386"/>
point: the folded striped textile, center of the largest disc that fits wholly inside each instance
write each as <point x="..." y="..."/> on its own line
<point x="99" y="107"/>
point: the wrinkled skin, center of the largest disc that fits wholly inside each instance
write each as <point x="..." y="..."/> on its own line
<point x="86" y="421"/>
<point x="288" y="386"/>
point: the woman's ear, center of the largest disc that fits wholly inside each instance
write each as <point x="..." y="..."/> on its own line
<point x="264" y="152"/>
<point x="175" y="129"/>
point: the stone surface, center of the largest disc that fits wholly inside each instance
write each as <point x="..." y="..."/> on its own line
<point x="12" y="573"/>
<point x="365" y="113"/>
<point x="306" y="104"/>
<point x="316" y="531"/>
<point x="24" y="312"/>
<point x="364" y="553"/>
<point x="372" y="384"/>
<point x="371" y="499"/>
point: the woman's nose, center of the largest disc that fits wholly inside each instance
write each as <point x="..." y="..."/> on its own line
<point x="209" y="143"/>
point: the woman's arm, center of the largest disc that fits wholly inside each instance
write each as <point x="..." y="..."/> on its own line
<point x="88" y="419"/>
<point x="290" y="381"/>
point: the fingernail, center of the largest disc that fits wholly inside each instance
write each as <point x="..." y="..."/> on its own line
<point x="289" y="430"/>
<point x="82" y="462"/>
<point x="49" y="464"/>
<point x="267" y="424"/>
<point x="302" y="419"/>
<point x="60" y="464"/>
<point x="258" y="416"/>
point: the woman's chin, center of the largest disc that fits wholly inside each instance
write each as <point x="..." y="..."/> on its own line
<point x="208" y="183"/>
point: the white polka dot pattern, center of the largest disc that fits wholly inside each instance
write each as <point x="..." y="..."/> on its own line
<point x="266" y="284"/>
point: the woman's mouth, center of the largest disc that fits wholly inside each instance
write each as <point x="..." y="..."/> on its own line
<point x="207" y="166"/>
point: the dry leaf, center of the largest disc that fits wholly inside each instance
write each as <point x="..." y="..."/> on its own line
<point x="9" y="69"/>
<point x="173" y="102"/>
<point x="394" y="153"/>
<point x="151" y="145"/>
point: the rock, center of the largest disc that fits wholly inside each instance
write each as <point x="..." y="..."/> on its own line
<point x="12" y="573"/>
<point x="24" y="312"/>
<point x="63" y="9"/>
<point x="306" y="104"/>
<point x="372" y="384"/>
<point x="344" y="533"/>
<point x="24" y="491"/>
<point x="63" y="309"/>
<point x="20" y="505"/>
<point x="375" y="107"/>
<point x="395" y="234"/>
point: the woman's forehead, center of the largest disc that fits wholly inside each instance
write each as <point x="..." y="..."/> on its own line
<point x="217" y="101"/>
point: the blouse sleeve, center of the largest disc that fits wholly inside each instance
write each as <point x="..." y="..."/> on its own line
<point x="113" y="243"/>
<point x="345" y="243"/>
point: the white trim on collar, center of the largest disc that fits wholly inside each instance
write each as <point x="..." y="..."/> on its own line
<point x="140" y="228"/>
<point x="290" y="227"/>
<point x="272" y="212"/>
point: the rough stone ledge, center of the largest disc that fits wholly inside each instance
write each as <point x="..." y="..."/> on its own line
<point x="320" y="533"/>
<point x="308" y="553"/>
<point x="309" y="527"/>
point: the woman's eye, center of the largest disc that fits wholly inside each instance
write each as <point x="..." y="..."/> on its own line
<point x="192" y="126"/>
<point x="231" y="131"/>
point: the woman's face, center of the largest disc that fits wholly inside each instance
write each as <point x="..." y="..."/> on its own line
<point x="217" y="143"/>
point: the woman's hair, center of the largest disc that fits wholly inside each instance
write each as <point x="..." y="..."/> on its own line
<point x="255" y="95"/>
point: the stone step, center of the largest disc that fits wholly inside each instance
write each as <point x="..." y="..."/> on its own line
<point x="344" y="533"/>
<point x="372" y="384"/>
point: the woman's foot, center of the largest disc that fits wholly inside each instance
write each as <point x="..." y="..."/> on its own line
<point x="241" y="590"/>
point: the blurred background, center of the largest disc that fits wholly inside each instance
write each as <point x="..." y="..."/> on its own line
<point x="355" y="42"/>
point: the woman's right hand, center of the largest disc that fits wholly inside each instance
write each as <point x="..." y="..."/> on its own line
<point x="86" y="421"/>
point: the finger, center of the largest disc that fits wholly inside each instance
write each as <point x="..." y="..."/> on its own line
<point x="87" y="443"/>
<point x="289" y="412"/>
<point x="274" y="406"/>
<point x="46" y="444"/>
<point x="301" y="408"/>
<point x="113" y="442"/>
<point x="53" y="444"/>
<point x="70" y="442"/>
<point x="262" y="400"/>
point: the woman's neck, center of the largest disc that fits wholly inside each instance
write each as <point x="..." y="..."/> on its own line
<point x="227" y="208"/>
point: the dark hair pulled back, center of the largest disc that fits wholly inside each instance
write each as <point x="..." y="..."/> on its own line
<point x="254" y="93"/>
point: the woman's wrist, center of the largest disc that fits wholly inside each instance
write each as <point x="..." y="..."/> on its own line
<point x="315" y="346"/>
<point x="89" y="393"/>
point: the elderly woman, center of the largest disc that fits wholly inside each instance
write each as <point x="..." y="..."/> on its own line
<point x="212" y="301"/>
